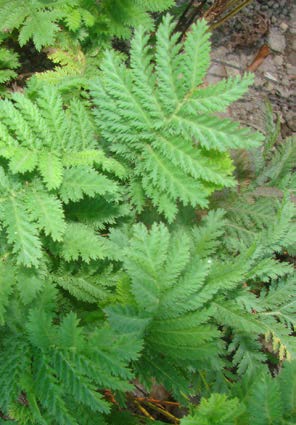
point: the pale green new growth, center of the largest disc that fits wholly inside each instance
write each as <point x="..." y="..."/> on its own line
<point x="8" y="64"/>
<point x="59" y="145"/>
<point x="41" y="21"/>
<point x="259" y="400"/>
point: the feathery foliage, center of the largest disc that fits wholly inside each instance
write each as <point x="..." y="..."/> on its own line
<point x="50" y="159"/>
<point x="8" y="65"/>
<point x="85" y="19"/>
<point x="260" y="400"/>
<point x="158" y="118"/>
<point x="130" y="256"/>
<point x="59" y="366"/>
<point x="182" y="289"/>
<point x="266" y="175"/>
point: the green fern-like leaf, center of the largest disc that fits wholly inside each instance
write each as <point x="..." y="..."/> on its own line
<point x="215" y="411"/>
<point x="42" y="22"/>
<point x="91" y="288"/>
<point x="80" y="181"/>
<point x="180" y="292"/>
<point x="51" y="158"/>
<point x="81" y="242"/>
<point x="149" y="115"/>
<point x="60" y="366"/>
<point x="265" y="405"/>
<point x="47" y="211"/>
<point x="8" y="64"/>
<point x="21" y="233"/>
<point x="29" y="17"/>
<point x="288" y="388"/>
<point x="6" y="287"/>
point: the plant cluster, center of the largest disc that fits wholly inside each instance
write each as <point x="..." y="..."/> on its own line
<point x="145" y="241"/>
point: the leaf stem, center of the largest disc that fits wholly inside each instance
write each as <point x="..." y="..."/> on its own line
<point x="230" y="14"/>
<point x="163" y="412"/>
<point x="143" y="410"/>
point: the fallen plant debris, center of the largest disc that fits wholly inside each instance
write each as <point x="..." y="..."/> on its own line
<point x="263" y="52"/>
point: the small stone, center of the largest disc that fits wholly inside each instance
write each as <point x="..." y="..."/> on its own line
<point x="291" y="70"/>
<point x="292" y="14"/>
<point x="284" y="26"/>
<point x="219" y="52"/>
<point x="285" y="81"/>
<point x="269" y="86"/>
<point x="273" y="20"/>
<point x="278" y="60"/>
<point x="276" y="40"/>
<point x="258" y="82"/>
<point x="245" y="60"/>
<point x="269" y="65"/>
<point x="285" y="91"/>
<point x="236" y="65"/>
<point x="291" y="58"/>
<point x="291" y="120"/>
<point x="216" y="73"/>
